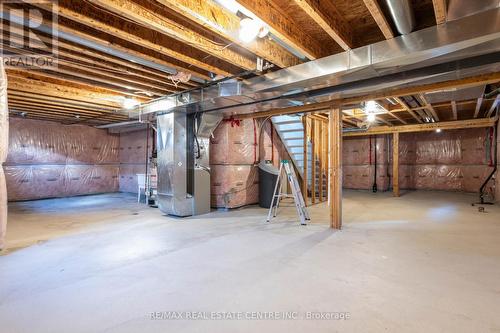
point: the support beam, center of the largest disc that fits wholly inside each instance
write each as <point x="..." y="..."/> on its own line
<point x="478" y="106"/>
<point x="215" y="18"/>
<point x="454" y="110"/>
<point x="326" y="15"/>
<point x="379" y="18"/>
<point x="313" y="161"/>
<point x="321" y="125"/>
<point x="443" y="125"/>
<point x="395" y="164"/>
<point x="439" y="11"/>
<point x="284" y="28"/>
<point x="305" y="185"/>
<point x="335" y="168"/>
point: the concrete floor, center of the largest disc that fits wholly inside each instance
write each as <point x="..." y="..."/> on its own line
<point x="425" y="262"/>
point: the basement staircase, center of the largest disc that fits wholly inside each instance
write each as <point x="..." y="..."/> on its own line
<point x="291" y="132"/>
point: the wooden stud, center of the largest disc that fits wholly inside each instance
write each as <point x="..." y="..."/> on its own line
<point x="395" y="164"/>
<point x="305" y="184"/>
<point x="320" y="157"/>
<point x="335" y="168"/>
<point x="379" y="18"/>
<point x="313" y="161"/>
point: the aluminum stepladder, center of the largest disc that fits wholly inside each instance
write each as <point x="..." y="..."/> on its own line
<point x="296" y="194"/>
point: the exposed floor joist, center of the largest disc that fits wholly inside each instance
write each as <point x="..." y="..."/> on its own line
<point x="329" y="19"/>
<point x="379" y="17"/>
<point x="285" y="28"/>
<point x="219" y="20"/>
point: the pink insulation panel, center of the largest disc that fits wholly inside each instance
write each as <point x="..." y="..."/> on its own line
<point x="234" y="186"/>
<point x="234" y="149"/>
<point x="133" y="147"/>
<point x="47" y="160"/>
<point x="358" y="154"/>
<point x="4" y="146"/>
<point x="234" y="143"/>
<point x="456" y="160"/>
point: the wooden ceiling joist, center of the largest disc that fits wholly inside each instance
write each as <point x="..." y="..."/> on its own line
<point x="57" y="100"/>
<point x="454" y="110"/>
<point x="20" y="83"/>
<point x="478" y="106"/>
<point x="326" y="15"/>
<point x="163" y="25"/>
<point x="74" y="13"/>
<point x="407" y="108"/>
<point x="101" y="61"/>
<point x="285" y="28"/>
<point x="494" y="105"/>
<point x="224" y="23"/>
<point x="379" y="17"/>
<point x="429" y="107"/>
<point x="439" y="11"/>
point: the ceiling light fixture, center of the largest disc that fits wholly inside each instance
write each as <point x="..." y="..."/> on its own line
<point x="438" y="130"/>
<point x="249" y="29"/>
<point x="130" y="103"/>
<point x="371" y="117"/>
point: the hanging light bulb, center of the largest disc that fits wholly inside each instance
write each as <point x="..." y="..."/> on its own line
<point x="249" y="29"/>
<point x="438" y="130"/>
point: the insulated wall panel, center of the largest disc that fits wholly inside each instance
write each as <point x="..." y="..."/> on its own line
<point x="48" y="160"/>
<point x="133" y="147"/>
<point x="234" y="149"/>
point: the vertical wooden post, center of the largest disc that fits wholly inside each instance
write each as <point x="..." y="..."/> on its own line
<point x="335" y="168"/>
<point x="313" y="160"/>
<point x="320" y="160"/>
<point x="304" y="177"/>
<point x="395" y="164"/>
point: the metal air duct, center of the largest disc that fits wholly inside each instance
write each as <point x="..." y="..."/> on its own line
<point x="402" y="15"/>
